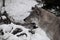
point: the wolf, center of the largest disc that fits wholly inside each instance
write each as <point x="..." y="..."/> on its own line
<point x="46" y="21"/>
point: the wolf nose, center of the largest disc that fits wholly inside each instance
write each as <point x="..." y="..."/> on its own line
<point x="24" y="19"/>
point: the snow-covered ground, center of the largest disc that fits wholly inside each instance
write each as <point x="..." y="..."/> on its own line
<point x="19" y="9"/>
<point x="39" y="33"/>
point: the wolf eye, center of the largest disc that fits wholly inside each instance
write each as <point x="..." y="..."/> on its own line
<point x="32" y="23"/>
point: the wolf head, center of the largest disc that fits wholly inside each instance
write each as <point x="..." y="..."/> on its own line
<point x="40" y="16"/>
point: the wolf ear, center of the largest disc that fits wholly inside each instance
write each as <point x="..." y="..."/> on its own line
<point x="35" y="10"/>
<point x="38" y="10"/>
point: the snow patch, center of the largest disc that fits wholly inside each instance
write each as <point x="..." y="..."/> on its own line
<point x="19" y="9"/>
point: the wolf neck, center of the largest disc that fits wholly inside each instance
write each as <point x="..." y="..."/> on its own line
<point x="49" y="26"/>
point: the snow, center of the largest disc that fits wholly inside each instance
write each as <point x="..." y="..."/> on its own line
<point x="3" y="17"/>
<point x="6" y="27"/>
<point x="39" y="33"/>
<point x="19" y="9"/>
